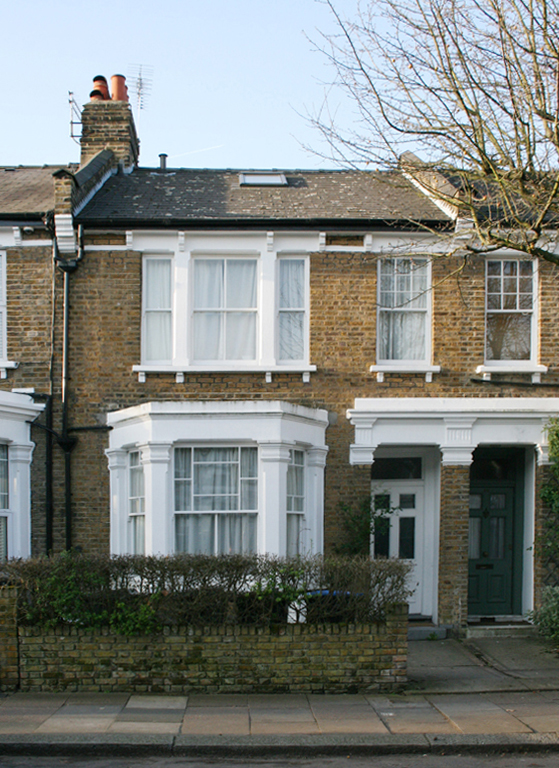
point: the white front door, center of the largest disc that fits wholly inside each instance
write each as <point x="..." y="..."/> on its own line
<point x="400" y="532"/>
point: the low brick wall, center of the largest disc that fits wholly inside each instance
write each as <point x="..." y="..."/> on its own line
<point x="9" y="671"/>
<point x="226" y="659"/>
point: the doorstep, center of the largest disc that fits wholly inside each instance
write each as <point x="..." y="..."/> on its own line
<point x="499" y="626"/>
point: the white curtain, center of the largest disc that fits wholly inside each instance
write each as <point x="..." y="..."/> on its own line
<point x="291" y="309"/>
<point x="157" y="310"/>
<point x="4" y="478"/>
<point x="225" y="285"/>
<point x="293" y="535"/>
<point x="236" y="534"/>
<point x="401" y="335"/>
<point x="194" y="534"/>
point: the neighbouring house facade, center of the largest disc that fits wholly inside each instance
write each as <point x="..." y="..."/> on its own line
<point x="214" y="360"/>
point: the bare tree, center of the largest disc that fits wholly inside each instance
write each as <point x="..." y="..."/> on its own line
<point x="472" y="87"/>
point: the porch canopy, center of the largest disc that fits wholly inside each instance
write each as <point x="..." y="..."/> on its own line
<point x="457" y="425"/>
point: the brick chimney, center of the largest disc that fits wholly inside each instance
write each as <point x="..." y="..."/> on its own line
<point x="109" y="124"/>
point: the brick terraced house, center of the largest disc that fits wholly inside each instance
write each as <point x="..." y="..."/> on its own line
<point x="199" y="360"/>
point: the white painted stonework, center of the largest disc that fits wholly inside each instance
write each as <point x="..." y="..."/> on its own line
<point x="16" y="411"/>
<point x="274" y="427"/>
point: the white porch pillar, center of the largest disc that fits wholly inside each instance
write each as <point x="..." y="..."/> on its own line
<point x="156" y="459"/>
<point x="316" y="459"/>
<point x="19" y="460"/>
<point x="118" y="465"/>
<point x="272" y="526"/>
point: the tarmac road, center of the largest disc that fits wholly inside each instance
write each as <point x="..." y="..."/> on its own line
<point x="530" y="760"/>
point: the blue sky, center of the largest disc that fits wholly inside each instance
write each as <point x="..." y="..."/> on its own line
<point x="232" y="79"/>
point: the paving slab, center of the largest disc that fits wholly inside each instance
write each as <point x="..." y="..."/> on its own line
<point x="216" y="720"/>
<point x="22" y="723"/>
<point x="532" y="708"/>
<point x="345" y="714"/>
<point x="147" y="701"/>
<point x="75" y="724"/>
<point x="413" y="714"/>
<point x="476" y="714"/>
<point x="149" y="715"/>
<point x="218" y="699"/>
<point x="142" y="727"/>
<point x="529" y="660"/>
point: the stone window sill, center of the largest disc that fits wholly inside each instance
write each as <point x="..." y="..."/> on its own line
<point x="179" y="372"/>
<point x="514" y="368"/>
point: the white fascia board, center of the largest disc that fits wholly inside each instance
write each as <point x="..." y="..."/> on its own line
<point x="423" y="406"/>
<point x="18" y="407"/>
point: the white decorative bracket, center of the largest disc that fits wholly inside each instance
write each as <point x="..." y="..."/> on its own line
<point x="17" y="236"/>
<point x="322" y="241"/>
<point x="368" y="242"/>
<point x="181" y="241"/>
<point x="179" y="377"/>
<point x="142" y="377"/>
<point x="65" y="234"/>
<point x="268" y="377"/>
<point x="130" y="239"/>
<point x="306" y="377"/>
<point x="270" y="241"/>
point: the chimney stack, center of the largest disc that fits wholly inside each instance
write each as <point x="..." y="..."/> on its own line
<point x="107" y="123"/>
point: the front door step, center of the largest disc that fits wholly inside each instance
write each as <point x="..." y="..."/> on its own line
<point x="426" y="631"/>
<point x="497" y="627"/>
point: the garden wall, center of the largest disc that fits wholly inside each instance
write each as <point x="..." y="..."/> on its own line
<point x="337" y="658"/>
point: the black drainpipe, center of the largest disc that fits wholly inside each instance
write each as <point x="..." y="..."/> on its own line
<point x="66" y="442"/>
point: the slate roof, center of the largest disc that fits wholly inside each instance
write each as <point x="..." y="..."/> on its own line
<point x="208" y="197"/>
<point x="27" y="193"/>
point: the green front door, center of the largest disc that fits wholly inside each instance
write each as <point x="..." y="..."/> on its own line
<point x="491" y="550"/>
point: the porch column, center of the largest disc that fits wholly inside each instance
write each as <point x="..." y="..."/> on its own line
<point x="118" y="467"/>
<point x="453" y="534"/>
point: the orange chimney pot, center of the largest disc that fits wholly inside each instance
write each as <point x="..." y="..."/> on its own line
<point x="118" y="88"/>
<point x="100" y="84"/>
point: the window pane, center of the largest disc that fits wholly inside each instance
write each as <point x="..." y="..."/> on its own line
<point x="157" y="276"/>
<point x="241" y="283"/>
<point x="404" y="468"/>
<point x="137" y="532"/>
<point x="496" y="538"/>
<point x="508" y="336"/>
<point x="382" y="536"/>
<point x="236" y="534"/>
<point x="407" y="501"/>
<point x="240" y="335"/>
<point x="208" y="283"/>
<point x="401" y="336"/>
<point x="3" y="538"/>
<point x="292" y="284"/>
<point x="292" y="335"/>
<point x="406" y="544"/>
<point x="474" y="538"/>
<point x="195" y="534"/>
<point x="293" y="535"/>
<point x="4" y="478"/>
<point x="158" y="345"/>
<point x="296" y="482"/>
<point x="249" y="462"/>
<point x="249" y="494"/>
<point x="208" y="337"/>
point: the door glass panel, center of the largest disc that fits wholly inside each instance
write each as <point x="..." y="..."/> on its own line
<point x="475" y="501"/>
<point x="406" y="548"/>
<point x="382" y="537"/>
<point x="497" y="501"/>
<point x="407" y="501"/>
<point x="497" y="538"/>
<point x="474" y="538"/>
<point x="405" y="468"/>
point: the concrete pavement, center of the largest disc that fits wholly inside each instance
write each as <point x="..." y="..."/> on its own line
<point x="486" y="694"/>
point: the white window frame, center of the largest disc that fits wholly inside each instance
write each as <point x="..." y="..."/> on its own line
<point x="134" y="515"/>
<point x="425" y="365"/>
<point x="146" y="311"/>
<point x="223" y="310"/>
<point x="268" y="249"/>
<point x="253" y="512"/>
<point x="515" y="366"/>
<point x="304" y="309"/>
<point x="299" y="513"/>
<point x="5" y="364"/>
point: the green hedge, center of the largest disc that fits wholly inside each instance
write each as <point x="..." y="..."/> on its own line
<point x="139" y="595"/>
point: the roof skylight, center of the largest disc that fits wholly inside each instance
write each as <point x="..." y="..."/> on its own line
<point x="262" y="179"/>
